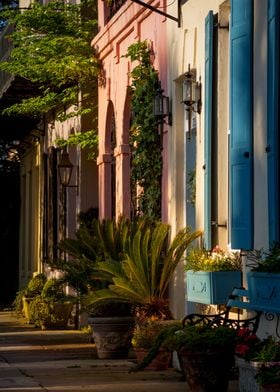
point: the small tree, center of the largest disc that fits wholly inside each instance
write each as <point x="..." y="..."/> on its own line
<point x="51" y="49"/>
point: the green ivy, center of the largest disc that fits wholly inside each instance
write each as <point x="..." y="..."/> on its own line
<point x="145" y="144"/>
<point x="51" y="49"/>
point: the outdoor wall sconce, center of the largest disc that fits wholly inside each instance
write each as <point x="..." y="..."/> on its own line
<point x="161" y="107"/>
<point x="191" y="95"/>
<point x="65" y="169"/>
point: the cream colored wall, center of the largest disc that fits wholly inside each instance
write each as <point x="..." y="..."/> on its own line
<point x="57" y="129"/>
<point x="187" y="45"/>
<point x="30" y="260"/>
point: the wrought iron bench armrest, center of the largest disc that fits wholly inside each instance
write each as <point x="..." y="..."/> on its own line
<point x="223" y="318"/>
<point x="205" y="319"/>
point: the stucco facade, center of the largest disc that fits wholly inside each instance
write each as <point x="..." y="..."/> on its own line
<point x="256" y="101"/>
<point x="131" y="24"/>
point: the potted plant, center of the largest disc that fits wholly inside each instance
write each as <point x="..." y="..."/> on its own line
<point x="211" y="276"/>
<point x="143" y="338"/>
<point x="145" y="270"/>
<point x="268" y="377"/>
<point x="246" y="348"/>
<point x="206" y="355"/>
<point x="112" y="323"/>
<point x="52" y="308"/>
<point x="253" y="354"/>
<point x="142" y="272"/>
<point x="25" y="296"/>
<point x="264" y="279"/>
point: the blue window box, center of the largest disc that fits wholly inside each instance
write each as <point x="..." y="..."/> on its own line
<point x="264" y="290"/>
<point x="211" y="287"/>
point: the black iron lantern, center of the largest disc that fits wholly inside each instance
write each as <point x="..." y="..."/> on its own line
<point x="191" y="95"/>
<point x="189" y="88"/>
<point x="65" y="168"/>
<point x="161" y="107"/>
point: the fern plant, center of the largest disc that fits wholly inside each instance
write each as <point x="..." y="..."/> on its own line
<point x="143" y="276"/>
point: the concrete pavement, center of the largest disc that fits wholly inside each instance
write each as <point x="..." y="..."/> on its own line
<point x="56" y="361"/>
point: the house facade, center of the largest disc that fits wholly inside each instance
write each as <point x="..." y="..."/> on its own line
<point x="221" y="170"/>
<point x="117" y="31"/>
<point x="44" y="211"/>
<point x="232" y="48"/>
<point x="220" y="155"/>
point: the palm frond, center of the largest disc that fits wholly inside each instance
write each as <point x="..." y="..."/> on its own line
<point x="178" y="246"/>
<point x="135" y="274"/>
<point x="98" y="297"/>
<point x="112" y="268"/>
<point x="158" y="250"/>
<point x="127" y="290"/>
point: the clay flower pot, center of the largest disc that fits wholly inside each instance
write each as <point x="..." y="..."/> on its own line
<point x="160" y="362"/>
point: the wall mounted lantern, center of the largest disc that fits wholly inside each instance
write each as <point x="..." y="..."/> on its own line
<point x="161" y="111"/>
<point x="65" y="169"/>
<point x="161" y="107"/>
<point x="191" y="94"/>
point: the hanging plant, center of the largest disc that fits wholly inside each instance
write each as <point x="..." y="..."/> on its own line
<point x="146" y="157"/>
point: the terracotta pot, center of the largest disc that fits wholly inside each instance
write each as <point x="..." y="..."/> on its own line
<point x="207" y="371"/>
<point x="160" y="362"/>
<point x="112" y="336"/>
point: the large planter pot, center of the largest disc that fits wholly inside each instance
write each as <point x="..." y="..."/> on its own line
<point x="211" y="287"/>
<point x="207" y="371"/>
<point x="247" y="373"/>
<point x="264" y="290"/>
<point x="61" y="314"/>
<point x="160" y="362"/>
<point x="112" y="336"/>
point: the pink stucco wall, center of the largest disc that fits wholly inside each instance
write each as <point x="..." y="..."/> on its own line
<point x="130" y="24"/>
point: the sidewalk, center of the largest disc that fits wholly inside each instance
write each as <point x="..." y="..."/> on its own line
<point x="56" y="361"/>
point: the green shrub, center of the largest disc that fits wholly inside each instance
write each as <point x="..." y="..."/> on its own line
<point x="35" y="285"/>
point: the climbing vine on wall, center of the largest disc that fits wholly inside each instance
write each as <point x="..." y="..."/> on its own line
<point x="146" y="157"/>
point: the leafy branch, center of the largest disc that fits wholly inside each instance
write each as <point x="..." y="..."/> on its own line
<point x="87" y="139"/>
<point x="51" y="50"/>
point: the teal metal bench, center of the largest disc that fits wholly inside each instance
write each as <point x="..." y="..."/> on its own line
<point x="240" y="298"/>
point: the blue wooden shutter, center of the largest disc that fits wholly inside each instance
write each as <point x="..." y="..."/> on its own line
<point x="272" y="118"/>
<point x="241" y="124"/>
<point x="208" y="106"/>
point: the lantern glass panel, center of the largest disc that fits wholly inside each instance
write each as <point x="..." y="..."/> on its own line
<point x="65" y="168"/>
<point x="158" y="105"/>
<point x="65" y="175"/>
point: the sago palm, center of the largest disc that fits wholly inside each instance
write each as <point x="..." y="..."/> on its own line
<point x="143" y="276"/>
<point x="100" y="241"/>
